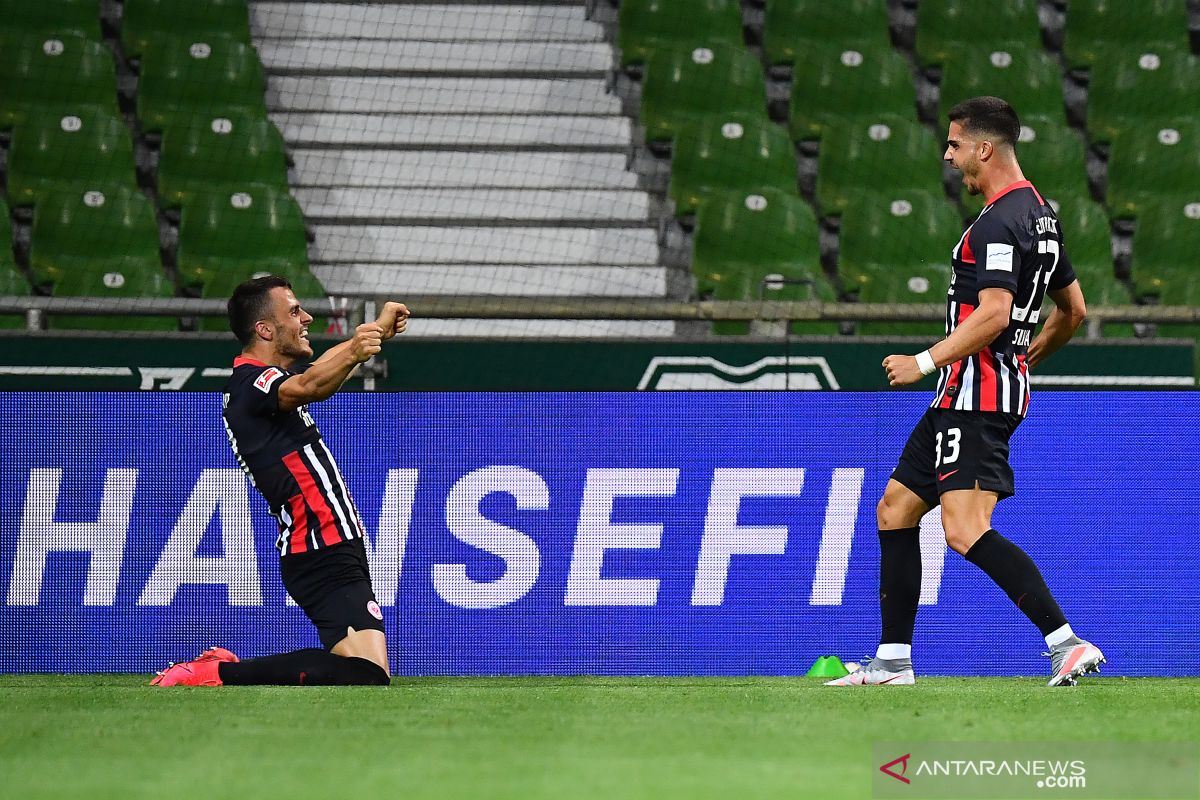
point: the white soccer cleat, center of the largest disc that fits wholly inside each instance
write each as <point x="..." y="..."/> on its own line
<point x="1069" y="661"/>
<point x="878" y="672"/>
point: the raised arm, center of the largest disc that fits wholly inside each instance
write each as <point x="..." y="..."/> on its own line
<point x="330" y="371"/>
<point x="1069" y="313"/>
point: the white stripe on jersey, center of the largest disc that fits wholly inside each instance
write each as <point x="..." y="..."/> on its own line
<point x="331" y="495"/>
<point x="285" y="518"/>
<point x="1005" y="386"/>
<point x="337" y="472"/>
<point x="966" y="383"/>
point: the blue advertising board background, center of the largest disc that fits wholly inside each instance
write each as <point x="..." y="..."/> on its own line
<point x="1105" y="482"/>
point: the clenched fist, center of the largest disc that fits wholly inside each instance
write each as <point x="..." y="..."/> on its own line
<point x="902" y="370"/>
<point x="367" y="341"/>
<point x="393" y="319"/>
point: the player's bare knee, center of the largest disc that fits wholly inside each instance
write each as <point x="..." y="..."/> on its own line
<point x="960" y="536"/>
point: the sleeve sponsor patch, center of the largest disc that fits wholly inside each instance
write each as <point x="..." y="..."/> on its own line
<point x="269" y="376"/>
<point x="999" y="257"/>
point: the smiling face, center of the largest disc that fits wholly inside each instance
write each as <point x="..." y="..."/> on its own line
<point x="287" y="328"/>
<point x="966" y="154"/>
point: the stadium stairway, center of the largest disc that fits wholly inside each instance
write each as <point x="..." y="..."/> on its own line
<point x="462" y="149"/>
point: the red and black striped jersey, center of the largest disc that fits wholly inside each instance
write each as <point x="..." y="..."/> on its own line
<point x="1016" y="244"/>
<point x="287" y="461"/>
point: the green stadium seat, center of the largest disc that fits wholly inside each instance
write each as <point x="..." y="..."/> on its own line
<point x="12" y="282"/>
<point x="145" y="21"/>
<point x="716" y="154"/>
<point x="741" y="239"/>
<point x="848" y="79"/>
<point x="1145" y="162"/>
<point x="895" y="248"/>
<point x="50" y="151"/>
<point x="649" y="25"/>
<point x="886" y="154"/>
<point x="99" y="243"/>
<point x="1028" y="79"/>
<point x="37" y="72"/>
<point x="792" y="27"/>
<point x="233" y="149"/>
<point x="943" y="24"/>
<point x="236" y="231"/>
<point x="80" y="17"/>
<point x="1165" y="243"/>
<point x="1134" y="87"/>
<point x="1052" y="155"/>
<point x="683" y="84"/>
<point x="1095" y="26"/>
<point x="183" y="80"/>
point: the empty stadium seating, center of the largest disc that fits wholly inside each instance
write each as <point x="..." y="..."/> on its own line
<point x="885" y="154"/>
<point x="792" y="27"/>
<point x="943" y="24"/>
<point x="12" y="282"/>
<point x="847" y="79"/>
<point x="742" y="239"/>
<point x="51" y="150"/>
<point x="1029" y="79"/>
<point x="715" y="154"/>
<point x="1094" y="27"/>
<point x="99" y="243"/>
<point x="648" y="25"/>
<point x="1165" y="244"/>
<point x="249" y="228"/>
<point x="183" y="80"/>
<point x="1133" y="87"/>
<point x="66" y="70"/>
<point x="895" y="248"/>
<point x="80" y="17"/>
<point x="683" y="84"/>
<point x="1148" y="160"/>
<point x="143" y="21"/>
<point x="200" y="153"/>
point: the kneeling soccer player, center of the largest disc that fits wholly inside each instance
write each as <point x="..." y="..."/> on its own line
<point x="323" y="561"/>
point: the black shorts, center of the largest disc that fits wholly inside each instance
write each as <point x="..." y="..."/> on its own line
<point x="951" y="450"/>
<point x="333" y="586"/>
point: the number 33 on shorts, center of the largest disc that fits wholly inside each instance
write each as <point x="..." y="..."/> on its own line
<point x="950" y="454"/>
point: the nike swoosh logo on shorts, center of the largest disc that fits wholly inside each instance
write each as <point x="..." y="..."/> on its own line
<point x="942" y="476"/>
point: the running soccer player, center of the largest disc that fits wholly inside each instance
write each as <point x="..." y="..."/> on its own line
<point x="323" y="561"/>
<point x="957" y="456"/>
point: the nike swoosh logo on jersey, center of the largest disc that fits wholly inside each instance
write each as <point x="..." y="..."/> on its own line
<point x="942" y="476"/>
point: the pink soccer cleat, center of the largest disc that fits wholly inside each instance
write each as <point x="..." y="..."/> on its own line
<point x="201" y="672"/>
<point x="217" y="654"/>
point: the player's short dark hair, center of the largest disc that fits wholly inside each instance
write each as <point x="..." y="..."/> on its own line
<point x="988" y="116"/>
<point x="250" y="303"/>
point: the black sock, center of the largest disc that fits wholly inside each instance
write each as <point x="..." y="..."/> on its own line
<point x="1014" y="572"/>
<point x="310" y="667"/>
<point x="899" y="583"/>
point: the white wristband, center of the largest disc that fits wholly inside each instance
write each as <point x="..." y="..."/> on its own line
<point x="925" y="363"/>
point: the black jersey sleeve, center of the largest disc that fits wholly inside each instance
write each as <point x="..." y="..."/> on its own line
<point x="1064" y="274"/>
<point x="261" y="393"/>
<point x="998" y="252"/>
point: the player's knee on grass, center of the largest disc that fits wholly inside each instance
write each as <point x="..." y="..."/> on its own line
<point x="347" y="671"/>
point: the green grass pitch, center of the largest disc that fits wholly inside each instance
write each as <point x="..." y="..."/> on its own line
<point x="111" y="736"/>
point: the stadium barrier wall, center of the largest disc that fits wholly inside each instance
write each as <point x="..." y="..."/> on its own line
<point x="101" y="363"/>
<point x="597" y="533"/>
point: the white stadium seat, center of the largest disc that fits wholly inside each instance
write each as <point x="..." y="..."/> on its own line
<point x="454" y="130"/>
<point x="383" y="206"/>
<point x="469" y="22"/>
<point x="441" y="95"/>
<point x="489" y="279"/>
<point x="348" y="56"/>
<point x="455" y="168"/>
<point x="431" y="244"/>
